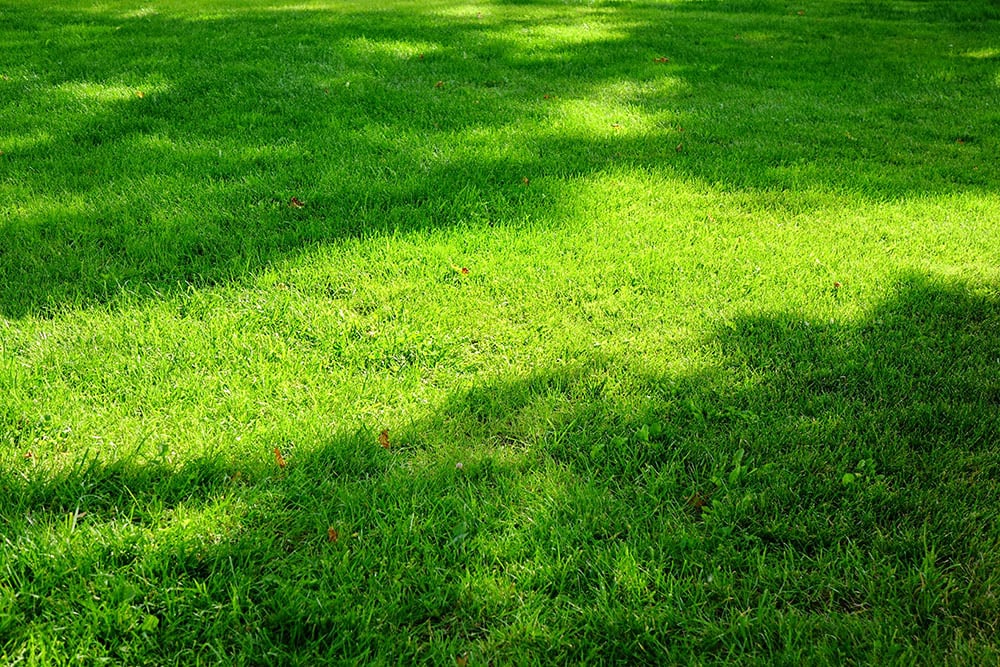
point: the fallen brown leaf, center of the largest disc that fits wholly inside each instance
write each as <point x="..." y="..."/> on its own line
<point x="697" y="503"/>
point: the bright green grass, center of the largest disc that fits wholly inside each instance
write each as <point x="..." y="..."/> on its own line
<point x="723" y="375"/>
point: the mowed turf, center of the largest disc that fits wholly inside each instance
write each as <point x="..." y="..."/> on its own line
<point x="539" y="332"/>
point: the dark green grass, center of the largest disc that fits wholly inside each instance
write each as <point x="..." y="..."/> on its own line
<point x="681" y="362"/>
<point x="246" y="106"/>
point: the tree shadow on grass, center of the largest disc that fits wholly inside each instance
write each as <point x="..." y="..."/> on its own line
<point x="149" y="151"/>
<point x="829" y="492"/>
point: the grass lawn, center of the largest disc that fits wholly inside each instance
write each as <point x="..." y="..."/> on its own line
<point x="511" y="331"/>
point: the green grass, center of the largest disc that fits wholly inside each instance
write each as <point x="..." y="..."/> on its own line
<point x="690" y="361"/>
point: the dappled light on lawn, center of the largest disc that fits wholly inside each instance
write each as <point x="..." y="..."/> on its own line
<point x="504" y="332"/>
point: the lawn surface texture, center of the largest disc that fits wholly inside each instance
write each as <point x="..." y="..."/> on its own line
<point x="507" y="332"/>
